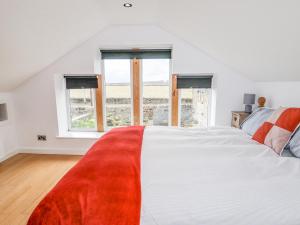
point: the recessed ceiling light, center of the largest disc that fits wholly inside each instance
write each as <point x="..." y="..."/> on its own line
<point x="127" y="5"/>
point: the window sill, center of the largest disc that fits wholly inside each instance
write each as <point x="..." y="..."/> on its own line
<point x="81" y="135"/>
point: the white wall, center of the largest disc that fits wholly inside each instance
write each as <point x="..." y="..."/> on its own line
<point x="8" y="137"/>
<point x="286" y="94"/>
<point x="35" y="100"/>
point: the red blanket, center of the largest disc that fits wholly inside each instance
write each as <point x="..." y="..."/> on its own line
<point x="103" y="188"/>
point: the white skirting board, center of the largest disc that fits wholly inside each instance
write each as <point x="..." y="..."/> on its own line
<point x="46" y="151"/>
<point x="53" y="151"/>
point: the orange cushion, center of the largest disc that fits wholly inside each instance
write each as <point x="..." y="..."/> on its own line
<point x="289" y="119"/>
<point x="277" y="130"/>
<point x="262" y="132"/>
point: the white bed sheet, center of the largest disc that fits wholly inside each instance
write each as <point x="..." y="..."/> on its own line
<point x="216" y="176"/>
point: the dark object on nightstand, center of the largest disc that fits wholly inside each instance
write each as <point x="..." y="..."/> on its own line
<point x="249" y="100"/>
<point x="238" y="117"/>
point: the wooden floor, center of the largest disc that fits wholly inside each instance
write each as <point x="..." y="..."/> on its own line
<point x="25" y="179"/>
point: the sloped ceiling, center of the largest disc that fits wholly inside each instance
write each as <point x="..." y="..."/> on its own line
<point x="258" y="38"/>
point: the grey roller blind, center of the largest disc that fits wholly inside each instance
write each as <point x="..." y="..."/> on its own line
<point x="194" y="81"/>
<point x="81" y="82"/>
<point x="137" y="54"/>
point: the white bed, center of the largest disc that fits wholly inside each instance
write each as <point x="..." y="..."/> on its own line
<point x="216" y="176"/>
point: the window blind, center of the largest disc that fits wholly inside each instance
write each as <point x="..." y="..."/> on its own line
<point x="196" y="81"/>
<point x="81" y="82"/>
<point x="137" y="54"/>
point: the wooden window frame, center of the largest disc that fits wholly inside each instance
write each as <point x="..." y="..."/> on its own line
<point x="99" y="104"/>
<point x="174" y="109"/>
<point x="136" y="91"/>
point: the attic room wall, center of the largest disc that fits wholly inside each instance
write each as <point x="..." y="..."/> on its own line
<point x="35" y="99"/>
<point x="8" y="137"/>
<point x="278" y="94"/>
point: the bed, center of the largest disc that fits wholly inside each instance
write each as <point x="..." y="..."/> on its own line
<point x="198" y="177"/>
<point x="216" y="176"/>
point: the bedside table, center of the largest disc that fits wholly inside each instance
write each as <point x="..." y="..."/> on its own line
<point x="238" y="117"/>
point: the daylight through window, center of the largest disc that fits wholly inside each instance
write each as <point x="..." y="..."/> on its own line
<point x="82" y="109"/>
<point x="117" y="92"/>
<point x="156" y="91"/>
<point x="194" y="106"/>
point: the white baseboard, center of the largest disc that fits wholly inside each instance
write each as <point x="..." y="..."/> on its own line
<point x="53" y="151"/>
<point x="6" y="156"/>
<point x="46" y="151"/>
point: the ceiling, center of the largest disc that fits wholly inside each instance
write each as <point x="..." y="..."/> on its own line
<point x="258" y="38"/>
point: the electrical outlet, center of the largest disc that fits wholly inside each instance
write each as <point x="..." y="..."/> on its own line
<point x="42" y="138"/>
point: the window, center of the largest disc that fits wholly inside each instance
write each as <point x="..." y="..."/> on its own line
<point x="194" y="100"/>
<point x="136" y="88"/>
<point x="156" y="91"/>
<point x="194" y="107"/>
<point x="81" y="102"/>
<point x="82" y="109"/>
<point x="117" y="92"/>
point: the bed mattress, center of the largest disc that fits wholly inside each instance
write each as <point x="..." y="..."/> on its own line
<point x="216" y="176"/>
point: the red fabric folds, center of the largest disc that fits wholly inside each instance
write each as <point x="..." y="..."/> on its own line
<point x="103" y="188"/>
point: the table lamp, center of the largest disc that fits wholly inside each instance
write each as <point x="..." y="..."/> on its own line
<point x="249" y="100"/>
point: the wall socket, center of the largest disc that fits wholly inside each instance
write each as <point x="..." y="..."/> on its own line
<point x="42" y="138"/>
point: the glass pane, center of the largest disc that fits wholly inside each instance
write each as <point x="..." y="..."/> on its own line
<point x="82" y="109"/>
<point x="118" y="92"/>
<point x="156" y="93"/>
<point x="194" y="107"/>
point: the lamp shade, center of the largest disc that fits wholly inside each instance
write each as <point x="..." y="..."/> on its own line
<point x="249" y="99"/>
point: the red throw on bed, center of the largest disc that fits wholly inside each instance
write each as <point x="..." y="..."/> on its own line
<point x="103" y="188"/>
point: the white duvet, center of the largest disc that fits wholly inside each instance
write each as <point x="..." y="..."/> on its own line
<point x="216" y="176"/>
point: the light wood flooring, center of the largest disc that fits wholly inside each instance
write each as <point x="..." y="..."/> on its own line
<point x="25" y="179"/>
